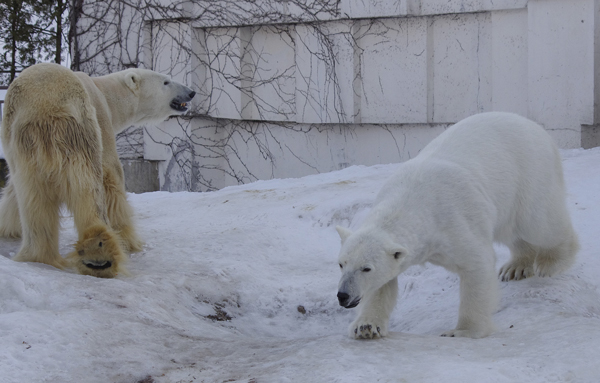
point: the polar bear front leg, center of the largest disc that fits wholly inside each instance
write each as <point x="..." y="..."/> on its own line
<point x="478" y="300"/>
<point x="375" y="310"/>
<point x="119" y="211"/>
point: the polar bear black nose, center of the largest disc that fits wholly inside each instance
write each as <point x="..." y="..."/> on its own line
<point x="343" y="298"/>
<point x="192" y="94"/>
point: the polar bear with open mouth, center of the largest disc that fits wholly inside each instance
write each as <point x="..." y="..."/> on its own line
<point x="58" y="135"/>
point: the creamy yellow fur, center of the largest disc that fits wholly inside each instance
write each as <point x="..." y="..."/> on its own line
<point x="58" y="135"/>
<point x="98" y="245"/>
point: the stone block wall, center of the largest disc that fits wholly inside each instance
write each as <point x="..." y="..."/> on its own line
<point x="351" y="82"/>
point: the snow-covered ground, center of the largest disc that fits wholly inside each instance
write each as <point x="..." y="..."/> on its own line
<point x="240" y="285"/>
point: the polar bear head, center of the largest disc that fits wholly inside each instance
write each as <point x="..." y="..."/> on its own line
<point x="368" y="260"/>
<point x="158" y="96"/>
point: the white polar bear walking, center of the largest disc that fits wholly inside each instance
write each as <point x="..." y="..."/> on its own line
<point x="58" y="135"/>
<point x="492" y="177"/>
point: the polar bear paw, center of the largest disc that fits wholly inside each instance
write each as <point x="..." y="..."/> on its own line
<point x="458" y="334"/>
<point x="475" y="333"/>
<point x="515" y="271"/>
<point x="368" y="328"/>
<point x="98" y="254"/>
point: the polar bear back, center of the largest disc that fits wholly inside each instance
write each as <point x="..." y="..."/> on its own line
<point x="58" y="93"/>
<point x="497" y="142"/>
<point x="499" y="164"/>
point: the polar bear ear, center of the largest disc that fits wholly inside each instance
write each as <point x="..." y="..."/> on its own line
<point x="133" y="80"/>
<point x="343" y="232"/>
<point x="398" y="251"/>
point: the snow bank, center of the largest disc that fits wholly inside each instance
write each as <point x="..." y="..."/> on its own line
<point x="240" y="285"/>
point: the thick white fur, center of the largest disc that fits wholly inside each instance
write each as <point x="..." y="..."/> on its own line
<point x="58" y="134"/>
<point x="491" y="177"/>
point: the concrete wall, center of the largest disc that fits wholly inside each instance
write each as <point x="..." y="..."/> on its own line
<point x="141" y="176"/>
<point x="371" y="83"/>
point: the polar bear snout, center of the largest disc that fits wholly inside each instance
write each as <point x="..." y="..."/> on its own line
<point x="345" y="301"/>
<point x="180" y="102"/>
<point x="343" y="298"/>
<point x="348" y="292"/>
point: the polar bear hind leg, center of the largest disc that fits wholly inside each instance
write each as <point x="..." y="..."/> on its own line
<point x="10" y="222"/>
<point x="546" y="244"/>
<point x="98" y="253"/>
<point x="39" y="209"/>
<point x="555" y="260"/>
<point x="520" y="266"/>
<point x="528" y="260"/>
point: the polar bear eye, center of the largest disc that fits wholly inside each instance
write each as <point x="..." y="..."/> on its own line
<point x="166" y="82"/>
<point x="366" y="269"/>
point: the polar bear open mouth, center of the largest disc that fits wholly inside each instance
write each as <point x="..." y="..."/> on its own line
<point x="179" y="106"/>
<point x="97" y="265"/>
<point x="352" y="304"/>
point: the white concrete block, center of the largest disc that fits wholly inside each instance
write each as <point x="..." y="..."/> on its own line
<point x="376" y="8"/>
<point x="324" y="73"/>
<point x="440" y="7"/>
<point x="268" y="73"/>
<point x="561" y="67"/>
<point x="171" y="50"/>
<point x="157" y="140"/>
<point x="201" y="79"/>
<point x="393" y="70"/>
<point x="461" y="83"/>
<point x="311" y="151"/>
<point x="223" y="52"/>
<point x="509" y="61"/>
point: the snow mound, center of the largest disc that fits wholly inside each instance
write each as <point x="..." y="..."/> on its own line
<point x="240" y="285"/>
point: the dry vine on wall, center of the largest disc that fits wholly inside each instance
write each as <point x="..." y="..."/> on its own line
<point x="265" y="72"/>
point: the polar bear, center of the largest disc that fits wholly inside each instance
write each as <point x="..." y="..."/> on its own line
<point x="491" y="177"/>
<point x="58" y="135"/>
